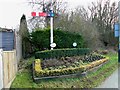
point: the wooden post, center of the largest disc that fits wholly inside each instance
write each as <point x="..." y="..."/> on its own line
<point x="1" y="70"/>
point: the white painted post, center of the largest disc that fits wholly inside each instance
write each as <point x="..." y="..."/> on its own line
<point x="51" y="26"/>
<point x="1" y="70"/>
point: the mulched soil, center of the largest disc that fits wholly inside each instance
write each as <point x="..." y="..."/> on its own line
<point x="61" y="61"/>
<point x="70" y="61"/>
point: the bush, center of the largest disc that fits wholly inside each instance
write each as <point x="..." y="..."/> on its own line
<point x="57" y="53"/>
<point x="41" y="39"/>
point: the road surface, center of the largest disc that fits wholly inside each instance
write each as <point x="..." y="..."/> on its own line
<point x="112" y="81"/>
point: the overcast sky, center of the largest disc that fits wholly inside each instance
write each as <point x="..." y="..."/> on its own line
<point x="12" y="10"/>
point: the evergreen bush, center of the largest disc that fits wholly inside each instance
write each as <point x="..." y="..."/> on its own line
<point x="57" y="53"/>
<point x="40" y="39"/>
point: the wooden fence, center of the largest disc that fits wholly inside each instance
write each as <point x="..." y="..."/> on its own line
<point x="9" y="64"/>
<point x="1" y="70"/>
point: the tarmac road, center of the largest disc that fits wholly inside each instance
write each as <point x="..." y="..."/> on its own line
<point x="112" y="81"/>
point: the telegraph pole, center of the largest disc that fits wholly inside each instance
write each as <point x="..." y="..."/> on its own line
<point x="119" y="31"/>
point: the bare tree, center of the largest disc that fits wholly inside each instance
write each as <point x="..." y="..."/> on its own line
<point x="103" y="14"/>
<point x="44" y="6"/>
<point x="78" y="22"/>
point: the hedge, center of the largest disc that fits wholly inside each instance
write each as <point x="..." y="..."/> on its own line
<point x="57" y="53"/>
<point x="40" y="39"/>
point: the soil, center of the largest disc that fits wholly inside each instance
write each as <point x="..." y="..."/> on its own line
<point x="61" y="61"/>
<point x="74" y="61"/>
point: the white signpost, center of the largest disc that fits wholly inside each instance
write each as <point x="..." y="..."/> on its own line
<point x="51" y="29"/>
<point x="51" y="15"/>
<point x="1" y="70"/>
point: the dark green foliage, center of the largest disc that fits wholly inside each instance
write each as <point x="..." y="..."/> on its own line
<point x="24" y="35"/>
<point x="57" y="53"/>
<point x="41" y="39"/>
<point x="66" y="39"/>
<point x="92" y="57"/>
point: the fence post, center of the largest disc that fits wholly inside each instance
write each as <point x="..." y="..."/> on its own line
<point x="1" y="69"/>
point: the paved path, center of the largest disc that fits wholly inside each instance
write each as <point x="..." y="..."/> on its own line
<point x="112" y="81"/>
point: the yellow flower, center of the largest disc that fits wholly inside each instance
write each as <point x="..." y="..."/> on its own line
<point x="38" y="67"/>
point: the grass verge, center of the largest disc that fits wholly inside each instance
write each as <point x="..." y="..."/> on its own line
<point x="24" y="77"/>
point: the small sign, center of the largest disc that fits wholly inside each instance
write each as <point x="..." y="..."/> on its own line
<point x="53" y="45"/>
<point x="33" y="14"/>
<point x="74" y="44"/>
<point x="116" y="27"/>
<point x="50" y="14"/>
<point x="116" y="33"/>
<point x="116" y="30"/>
<point x="42" y="14"/>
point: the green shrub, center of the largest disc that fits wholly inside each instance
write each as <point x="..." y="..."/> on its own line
<point x="57" y="53"/>
<point x="41" y="39"/>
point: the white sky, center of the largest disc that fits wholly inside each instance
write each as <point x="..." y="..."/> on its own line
<point x="12" y="10"/>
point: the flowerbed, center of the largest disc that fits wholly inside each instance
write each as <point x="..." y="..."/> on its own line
<point x="67" y="65"/>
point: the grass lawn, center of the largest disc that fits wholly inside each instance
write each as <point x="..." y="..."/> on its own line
<point x="24" y="77"/>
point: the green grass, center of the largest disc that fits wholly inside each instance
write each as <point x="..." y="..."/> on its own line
<point x="24" y="78"/>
